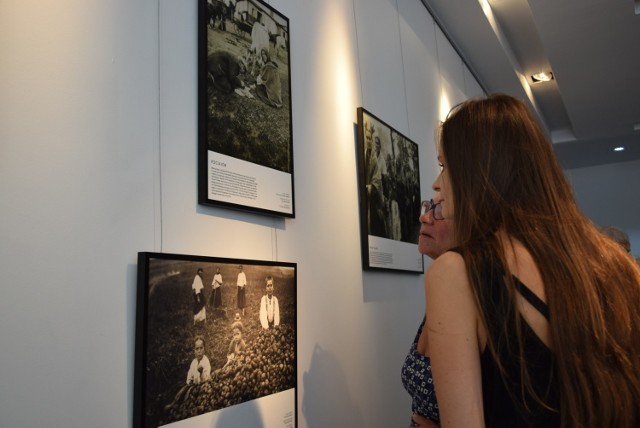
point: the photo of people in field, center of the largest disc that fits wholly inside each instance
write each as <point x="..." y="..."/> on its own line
<point x="245" y="82"/>
<point x="216" y="334"/>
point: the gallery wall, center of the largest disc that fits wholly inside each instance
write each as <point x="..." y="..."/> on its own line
<point x="608" y="195"/>
<point x="98" y="161"/>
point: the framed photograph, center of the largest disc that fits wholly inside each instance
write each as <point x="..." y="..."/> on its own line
<point x="215" y="342"/>
<point x="245" y="141"/>
<point x="389" y="186"/>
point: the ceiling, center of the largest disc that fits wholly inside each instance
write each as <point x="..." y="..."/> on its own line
<point x="592" y="47"/>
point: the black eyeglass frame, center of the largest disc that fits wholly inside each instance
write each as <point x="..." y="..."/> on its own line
<point x="427" y="206"/>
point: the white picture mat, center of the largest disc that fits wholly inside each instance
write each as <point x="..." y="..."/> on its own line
<point x="273" y="411"/>
<point x="245" y="183"/>
<point x="392" y="254"/>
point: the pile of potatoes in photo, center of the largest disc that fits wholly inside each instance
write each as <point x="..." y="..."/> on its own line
<point x="266" y="366"/>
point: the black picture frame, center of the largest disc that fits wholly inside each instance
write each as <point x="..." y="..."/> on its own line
<point x="245" y="141"/>
<point x="250" y="385"/>
<point x="389" y="190"/>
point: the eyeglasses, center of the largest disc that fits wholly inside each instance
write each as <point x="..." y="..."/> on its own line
<point x="427" y="206"/>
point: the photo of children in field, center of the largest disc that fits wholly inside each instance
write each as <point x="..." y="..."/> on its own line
<point x="224" y="359"/>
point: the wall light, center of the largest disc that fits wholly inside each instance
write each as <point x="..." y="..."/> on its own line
<point x="618" y="149"/>
<point x="544" y="76"/>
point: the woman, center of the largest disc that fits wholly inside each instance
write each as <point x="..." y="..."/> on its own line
<point x="534" y="319"/>
<point x="268" y="85"/>
<point x="197" y="292"/>
<point x="215" y="299"/>
<point x="436" y="237"/>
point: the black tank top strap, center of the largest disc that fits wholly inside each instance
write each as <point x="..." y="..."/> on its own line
<point x="525" y="291"/>
<point x="530" y="297"/>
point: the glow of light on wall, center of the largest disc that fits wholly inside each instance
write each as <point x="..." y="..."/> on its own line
<point x="488" y="12"/>
<point x="527" y="89"/>
<point x="491" y="18"/>
<point x="345" y="82"/>
<point x="445" y="106"/>
<point x="338" y="75"/>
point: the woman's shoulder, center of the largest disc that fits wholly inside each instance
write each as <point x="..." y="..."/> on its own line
<point x="447" y="278"/>
<point x="448" y="263"/>
<point x="451" y="306"/>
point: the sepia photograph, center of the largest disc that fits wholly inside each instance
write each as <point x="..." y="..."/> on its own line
<point x="212" y="334"/>
<point x="244" y="88"/>
<point x="390" y="200"/>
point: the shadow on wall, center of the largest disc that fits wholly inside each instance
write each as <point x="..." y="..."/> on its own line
<point x="326" y="401"/>
<point x="248" y="416"/>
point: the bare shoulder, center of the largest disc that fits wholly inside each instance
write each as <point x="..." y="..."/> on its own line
<point x="449" y="266"/>
<point x="452" y="333"/>
<point x="450" y="300"/>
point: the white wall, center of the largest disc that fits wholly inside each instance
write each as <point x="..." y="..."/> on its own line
<point x="609" y="196"/>
<point x="97" y="162"/>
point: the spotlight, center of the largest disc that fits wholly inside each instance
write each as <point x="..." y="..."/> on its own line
<point x="543" y="76"/>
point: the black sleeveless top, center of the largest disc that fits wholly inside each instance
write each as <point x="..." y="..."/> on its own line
<point x="506" y="401"/>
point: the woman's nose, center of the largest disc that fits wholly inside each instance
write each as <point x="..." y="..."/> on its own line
<point x="427" y="217"/>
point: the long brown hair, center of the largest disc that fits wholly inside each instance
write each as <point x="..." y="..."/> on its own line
<point x="505" y="177"/>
